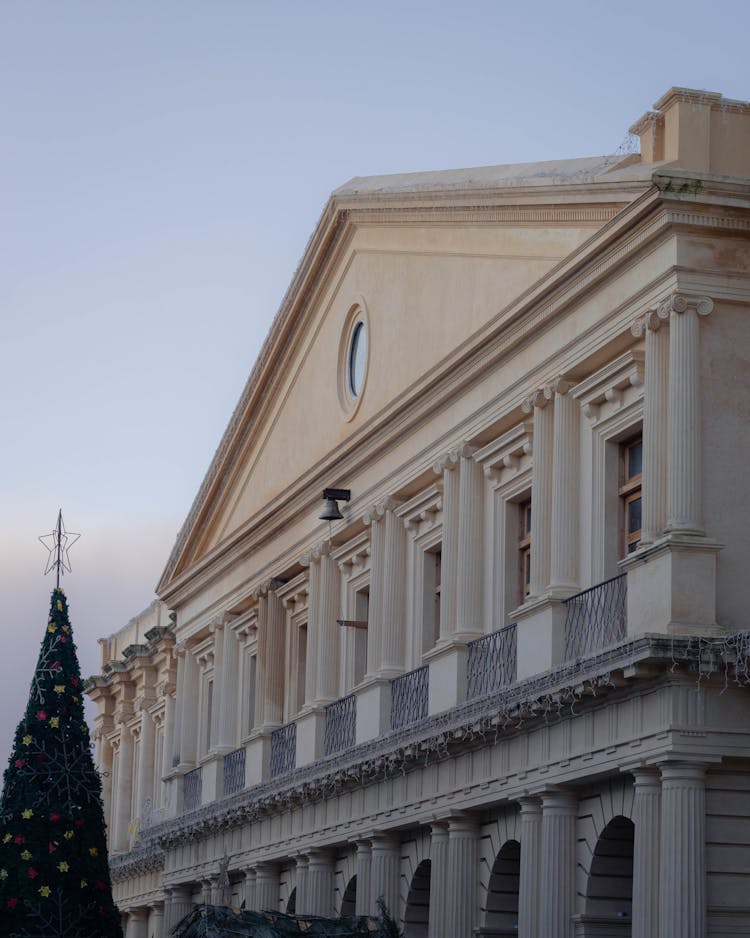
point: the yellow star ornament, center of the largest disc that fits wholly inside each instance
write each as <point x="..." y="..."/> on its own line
<point x="44" y="891"/>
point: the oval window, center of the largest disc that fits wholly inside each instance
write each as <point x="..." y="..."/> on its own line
<point x="357" y="358"/>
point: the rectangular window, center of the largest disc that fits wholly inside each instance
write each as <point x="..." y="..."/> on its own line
<point x="631" y="465"/>
<point x="524" y="548"/>
<point x="431" y="598"/>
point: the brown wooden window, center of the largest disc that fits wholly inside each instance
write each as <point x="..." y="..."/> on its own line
<point x="631" y="465"/>
<point x="524" y="548"/>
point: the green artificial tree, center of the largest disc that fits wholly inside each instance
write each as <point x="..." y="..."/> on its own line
<point x="54" y="876"/>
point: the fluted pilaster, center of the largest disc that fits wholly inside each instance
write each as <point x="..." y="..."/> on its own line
<point x="156" y="921"/>
<point x="168" y="747"/>
<point x="684" y="433"/>
<point x="386" y="857"/>
<point x="528" y="885"/>
<point x="137" y="923"/>
<point x="328" y="629"/>
<point x="249" y="889"/>
<point x="375" y="619"/>
<point x="565" y="484"/>
<point x="302" y="906"/>
<point x="273" y="701"/>
<point x="124" y="789"/>
<point x="468" y="619"/>
<point x="320" y="883"/>
<point x="449" y="548"/>
<point x="176" y="755"/>
<point x="188" y="707"/>
<point x="227" y="729"/>
<point x="437" y="925"/>
<point x="682" y="880"/>
<point x="394" y="592"/>
<point x="181" y="904"/>
<point x="541" y="491"/>
<point x="267" y="887"/>
<point x="462" y="876"/>
<point x="655" y="425"/>
<point x="220" y="690"/>
<point x="647" y="821"/>
<point x="145" y="791"/>
<point x="557" y="880"/>
<point x="313" y="603"/>
<point x="364" y="873"/>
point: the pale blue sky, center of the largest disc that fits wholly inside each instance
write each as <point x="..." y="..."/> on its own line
<point x="162" y="166"/>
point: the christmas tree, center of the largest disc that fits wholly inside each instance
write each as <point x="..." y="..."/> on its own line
<point x="54" y="877"/>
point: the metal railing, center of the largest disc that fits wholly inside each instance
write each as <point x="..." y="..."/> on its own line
<point x="596" y="618"/>
<point x="192" y="789"/>
<point x="409" y="695"/>
<point x="491" y="662"/>
<point x="341" y="723"/>
<point x="283" y="749"/>
<point x="234" y="771"/>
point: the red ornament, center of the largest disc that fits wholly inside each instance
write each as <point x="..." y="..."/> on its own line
<point x="41" y="714"/>
<point x="74" y="681"/>
<point x="12" y="903"/>
<point x="63" y="639"/>
<point x="32" y="873"/>
<point x="20" y="763"/>
<point x="56" y="666"/>
<point x="54" y="817"/>
<point x="80" y="822"/>
<point x="52" y="847"/>
<point x="19" y="839"/>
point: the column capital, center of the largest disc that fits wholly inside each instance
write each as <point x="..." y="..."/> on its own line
<point x="558" y="800"/>
<point x="559" y="385"/>
<point x="686" y="771"/>
<point x="682" y="302"/>
<point x="537" y="398"/>
<point x="462" y="451"/>
<point x="650" y="321"/>
<point x="530" y="805"/>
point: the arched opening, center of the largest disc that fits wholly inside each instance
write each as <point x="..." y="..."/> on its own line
<point x="349" y="901"/>
<point x="291" y="902"/>
<point x="609" y="893"/>
<point x="501" y="913"/>
<point x="417" y="914"/>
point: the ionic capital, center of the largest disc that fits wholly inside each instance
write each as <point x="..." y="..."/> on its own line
<point x="682" y="302"/>
<point x="462" y="451"/>
<point x="559" y="385"/>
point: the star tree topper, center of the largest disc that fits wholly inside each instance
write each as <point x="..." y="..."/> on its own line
<point x="58" y="543"/>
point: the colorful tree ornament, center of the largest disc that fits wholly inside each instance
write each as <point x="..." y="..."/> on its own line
<point x="51" y="815"/>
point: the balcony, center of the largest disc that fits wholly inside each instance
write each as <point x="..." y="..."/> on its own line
<point x="596" y="618"/>
<point x="234" y="771"/>
<point x="491" y="662"/>
<point x="283" y="749"/>
<point x="409" y="697"/>
<point x="340" y="726"/>
<point x="192" y="790"/>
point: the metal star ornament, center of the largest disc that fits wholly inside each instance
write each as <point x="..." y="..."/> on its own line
<point x="58" y="543"/>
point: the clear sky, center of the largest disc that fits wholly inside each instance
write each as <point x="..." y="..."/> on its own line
<point x="162" y="165"/>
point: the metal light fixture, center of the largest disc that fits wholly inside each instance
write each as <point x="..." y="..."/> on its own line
<point x="332" y="497"/>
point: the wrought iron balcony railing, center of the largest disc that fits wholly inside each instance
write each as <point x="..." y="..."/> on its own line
<point x="192" y="790"/>
<point x="409" y="694"/>
<point x="234" y="771"/>
<point x="340" y="728"/>
<point x="283" y="749"/>
<point x="491" y="662"/>
<point x="596" y="618"/>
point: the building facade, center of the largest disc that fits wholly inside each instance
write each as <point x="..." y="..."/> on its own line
<point x="501" y="686"/>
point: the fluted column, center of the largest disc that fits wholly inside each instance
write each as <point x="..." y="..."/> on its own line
<point x="394" y="591"/>
<point x="541" y="491"/>
<point x="327" y="628"/>
<point x="124" y="793"/>
<point x="531" y="858"/>
<point x="565" y="483"/>
<point x="557" y="881"/>
<point x="250" y="890"/>
<point x="320" y="883"/>
<point x="188" y="707"/>
<point x="684" y="433"/>
<point x="181" y="904"/>
<point x="156" y="921"/>
<point x="137" y="923"/>
<point x="469" y="569"/>
<point x="176" y="755"/>
<point x="168" y="748"/>
<point x="313" y="600"/>
<point x="437" y="924"/>
<point x="226" y="728"/>
<point x="647" y="821"/>
<point x="374" y="625"/>
<point x="267" y="887"/>
<point x="145" y="790"/>
<point x="302" y="906"/>
<point x="655" y="424"/>
<point x="460" y="900"/>
<point x="220" y="684"/>
<point x="449" y="547"/>
<point x="363" y="905"/>
<point x="273" y="702"/>
<point x="386" y="861"/>
<point x="682" y="856"/>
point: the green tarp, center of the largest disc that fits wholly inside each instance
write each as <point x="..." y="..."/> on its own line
<point x="218" y="922"/>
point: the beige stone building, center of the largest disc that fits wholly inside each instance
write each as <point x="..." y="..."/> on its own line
<point x="503" y="685"/>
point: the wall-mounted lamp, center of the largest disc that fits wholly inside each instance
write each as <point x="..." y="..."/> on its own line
<point x="332" y="497"/>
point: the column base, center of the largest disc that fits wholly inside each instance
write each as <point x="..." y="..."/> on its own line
<point x="373" y="709"/>
<point x="310" y="734"/>
<point x="540" y="634"/>
<point x="447" y="684"/>
<point x="672" y="586"/>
